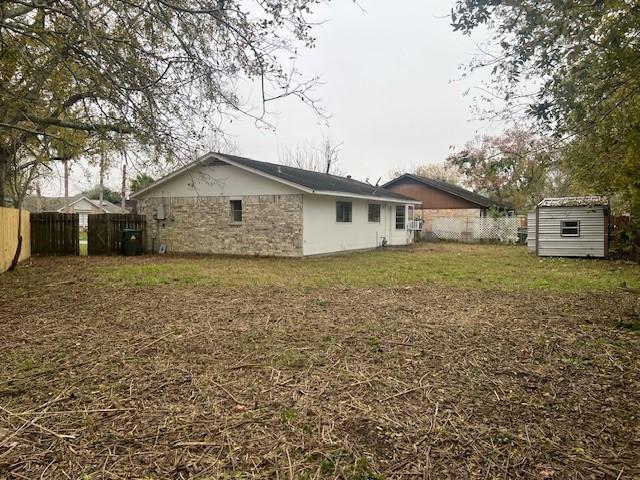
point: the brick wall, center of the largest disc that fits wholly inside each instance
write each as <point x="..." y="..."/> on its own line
<point x="271" y="225"/>
<point x="429" y="214"/>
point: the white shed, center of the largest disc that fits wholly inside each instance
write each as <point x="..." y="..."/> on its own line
<point x="570" y="227"/>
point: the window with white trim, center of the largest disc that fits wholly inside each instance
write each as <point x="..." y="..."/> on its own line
<point x="401" y="217"/>
<point x="343" y="212"/>
<point x="570" y="228"/>
<point x="374" y="213"/>
<point x="236" y="211"/>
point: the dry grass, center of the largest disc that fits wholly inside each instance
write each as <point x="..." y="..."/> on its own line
<point x="415" y="381"/>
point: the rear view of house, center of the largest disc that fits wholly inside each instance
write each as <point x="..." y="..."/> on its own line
<point x="234" y="205"/>
<point x="570" y="227"/>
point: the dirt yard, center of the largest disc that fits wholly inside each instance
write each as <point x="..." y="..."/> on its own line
<point x="284" y="369"/>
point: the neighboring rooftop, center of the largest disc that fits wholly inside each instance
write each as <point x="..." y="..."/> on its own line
<point x="315" y="181"/>
<point x="109" y="207"/>
<point x="55" y="204"/>
<point x="585" y="201"/>
<point x="47" y="204"/>
<point x="451" y="189"/>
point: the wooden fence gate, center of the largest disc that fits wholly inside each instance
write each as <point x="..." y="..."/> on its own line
<point x="104" y="234"/>
<point x="55" y="233"/>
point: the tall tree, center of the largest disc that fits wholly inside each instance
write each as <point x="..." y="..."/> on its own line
<point x="324" y="158"/>
<point x="517" y="167"/>
<point x="572" y="66"/>
<point x="160" y="72"/>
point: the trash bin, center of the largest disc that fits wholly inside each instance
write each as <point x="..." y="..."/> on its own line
<point x="131" y="241"/>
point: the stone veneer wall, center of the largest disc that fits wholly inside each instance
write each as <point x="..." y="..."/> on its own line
<point x="271" y="225"/>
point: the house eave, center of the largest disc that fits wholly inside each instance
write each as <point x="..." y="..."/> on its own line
<point x="83" y="198"/>
<point x="294" y="185"/>
<point x="366" y="197"/>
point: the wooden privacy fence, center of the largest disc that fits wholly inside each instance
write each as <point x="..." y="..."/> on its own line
<point x="476" y="229"/>
<point x="104" y="234"/>
<point x="55" y="233"/>
<point x="9" y="236"/>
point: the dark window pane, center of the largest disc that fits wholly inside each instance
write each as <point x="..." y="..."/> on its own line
<point x="236" y="211"/>
<point x="343" y="211"/>
<point x="400" y="217"/>
<point x="374" y="212"/>
<point x="570" y="228"/>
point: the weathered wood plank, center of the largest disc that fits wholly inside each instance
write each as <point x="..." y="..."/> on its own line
<point x="105" y="231"/>
<point x="9" y="236"/>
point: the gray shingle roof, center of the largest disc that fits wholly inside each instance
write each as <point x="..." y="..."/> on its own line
<point x="585" y="201"/>
<point x="451" y="189"/>
<point x="110" y="207"/>
<point x="307" y="179"/>
<point x="319" y="181"/>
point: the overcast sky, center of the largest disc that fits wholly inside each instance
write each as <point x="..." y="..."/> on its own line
<point x="391" y="84"/>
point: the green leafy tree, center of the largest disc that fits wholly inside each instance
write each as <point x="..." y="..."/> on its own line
<point x="141" y="181"/>
<point x="573" y="67"/>
<point x="517" y="167"/>
<point x="108" y="194"/>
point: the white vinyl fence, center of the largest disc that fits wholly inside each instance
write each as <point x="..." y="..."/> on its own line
<point x="476" y="229"/>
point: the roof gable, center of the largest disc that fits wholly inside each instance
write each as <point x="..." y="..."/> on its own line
<point x="460" y="192"/>
<point x="82" y="201"/>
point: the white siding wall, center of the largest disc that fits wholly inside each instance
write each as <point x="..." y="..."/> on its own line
<point x="218" y="180"/>
<point x="590" y="243"/>
<point x="322" y="234"/>
<point x="531" y="232"/>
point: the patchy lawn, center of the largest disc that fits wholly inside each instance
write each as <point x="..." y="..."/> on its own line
<point x="477" y="266"/>
<point x="342" y="367"/>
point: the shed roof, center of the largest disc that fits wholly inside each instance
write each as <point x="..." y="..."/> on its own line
<point x="450" y="189"/>
<point x="315" y="182"/>
<point x="584" y="201"/>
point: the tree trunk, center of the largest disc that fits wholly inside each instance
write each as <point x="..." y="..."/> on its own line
<point x="38" y="197"/>
<point x="66" y="186"/>
<point x="16" y="256"/>
<point x="21" y="191"/>
<point x="123" y="202"/>
<point x="4" y="166"/>
<point x="101" y="195"/>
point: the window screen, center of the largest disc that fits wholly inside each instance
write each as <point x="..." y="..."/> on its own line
<point x="343" y="211"/>
<point x="570" y="228"/>
<point x="236" y="211"/>
<point x="374" y="212"/>
<point x="400" y="217"/>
